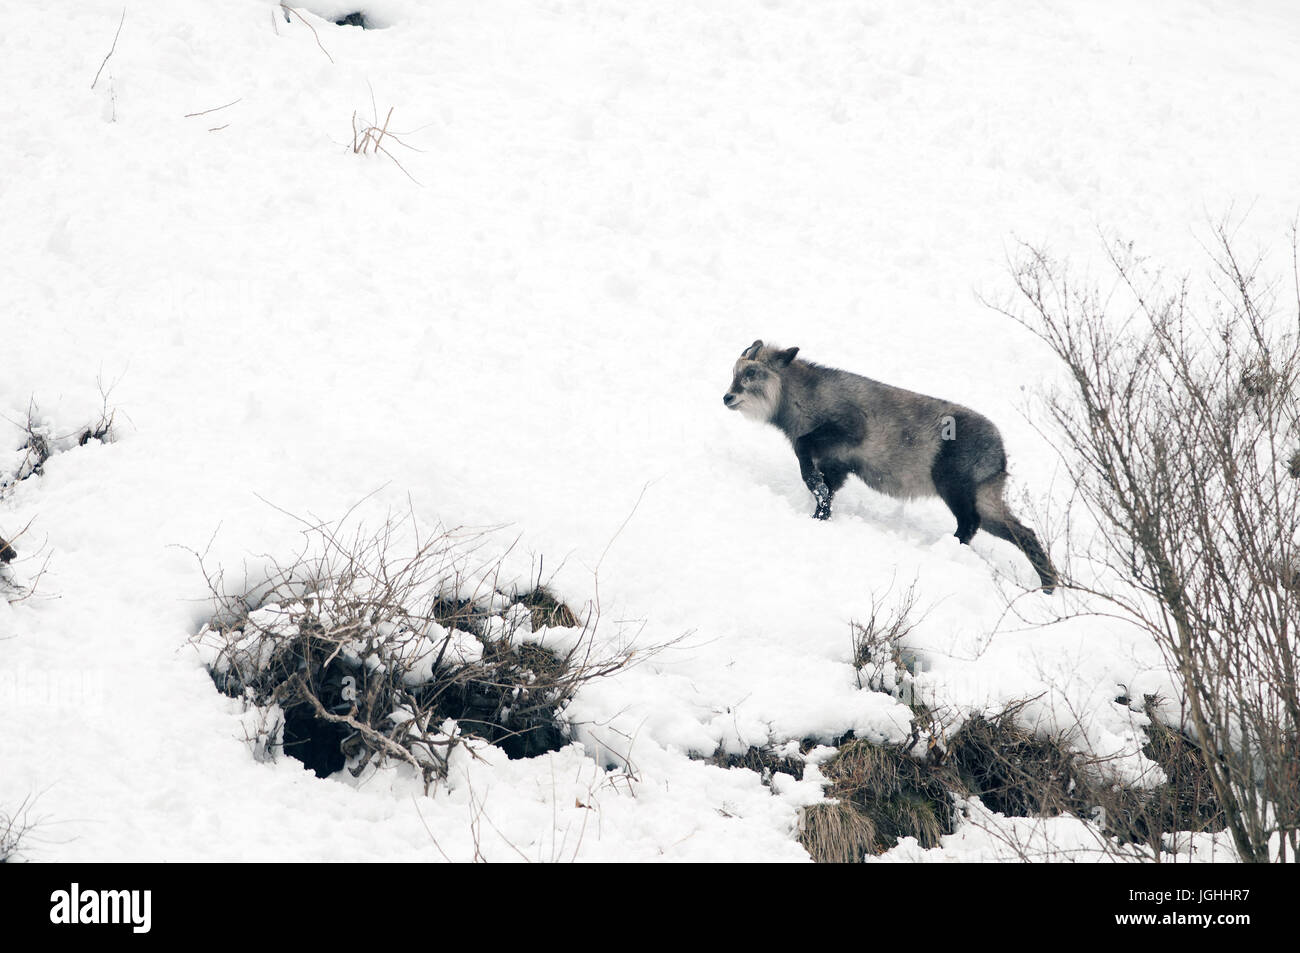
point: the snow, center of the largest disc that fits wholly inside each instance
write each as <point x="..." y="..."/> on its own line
<point x="531" y="340"/>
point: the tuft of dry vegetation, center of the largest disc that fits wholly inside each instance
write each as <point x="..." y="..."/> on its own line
<point x="1187" y="801"/>
<point x="1015" y="772"/>
<point x="837" y="832"/>
<point x="894" y="795"/>
<point x="369" y="137"/>
<point x="546" y="610"/>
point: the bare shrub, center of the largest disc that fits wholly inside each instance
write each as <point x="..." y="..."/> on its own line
<point x="14" y="586"/>
<point x="16" y="826"/>
<point x="392" y="647"/>
<point x="1179" y="430"/>
<point x="878" y="651"/>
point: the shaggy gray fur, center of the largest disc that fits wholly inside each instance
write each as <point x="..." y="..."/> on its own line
<point x="898" y="442"/>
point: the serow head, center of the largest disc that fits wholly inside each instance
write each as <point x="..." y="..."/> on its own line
<point x="756" y="380"/>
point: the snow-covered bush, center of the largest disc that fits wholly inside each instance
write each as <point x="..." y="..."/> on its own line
<point x="366" y="648"/>
<point x="40" y="438"/>
<point x="879" y="794"/>
<point x="879" y="654"/>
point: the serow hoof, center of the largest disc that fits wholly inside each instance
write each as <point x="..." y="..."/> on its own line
<point x="823" y="513"/>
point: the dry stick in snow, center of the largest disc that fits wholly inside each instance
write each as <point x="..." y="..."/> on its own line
<point x="288" y="10"/>
<point x="111" y="49"/>
<point x="214" y="109"/>
<point x="368" y="138"/>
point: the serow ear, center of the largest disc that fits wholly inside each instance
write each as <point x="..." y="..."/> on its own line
<point x="751" y="352"/>
<point x="783" y="358"/>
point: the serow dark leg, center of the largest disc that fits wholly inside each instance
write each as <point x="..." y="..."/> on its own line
<point x="824" y="484"/>
<point x="960" y="498"/>
<point x="822" y="494"/>
<point x="822" y="477"/>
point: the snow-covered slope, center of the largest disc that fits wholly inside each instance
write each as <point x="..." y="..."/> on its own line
<point x="529" y="325"/>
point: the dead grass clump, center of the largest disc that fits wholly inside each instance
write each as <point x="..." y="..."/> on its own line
<point x="1017" y="773"/>
<point x="463" y="614"/>
<point x="892" y="794"/>
<point x="1185" y="802"/>
<point x="837" y="832"/>
<point x="897" y="791"/>
<point x="547" y="610"/>
<point x="1014" y="772"/>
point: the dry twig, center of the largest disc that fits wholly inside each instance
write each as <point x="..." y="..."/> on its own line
<point x="111" y="49"/>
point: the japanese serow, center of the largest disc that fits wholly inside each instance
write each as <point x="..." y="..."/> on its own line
<point x="898" y="442"/>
